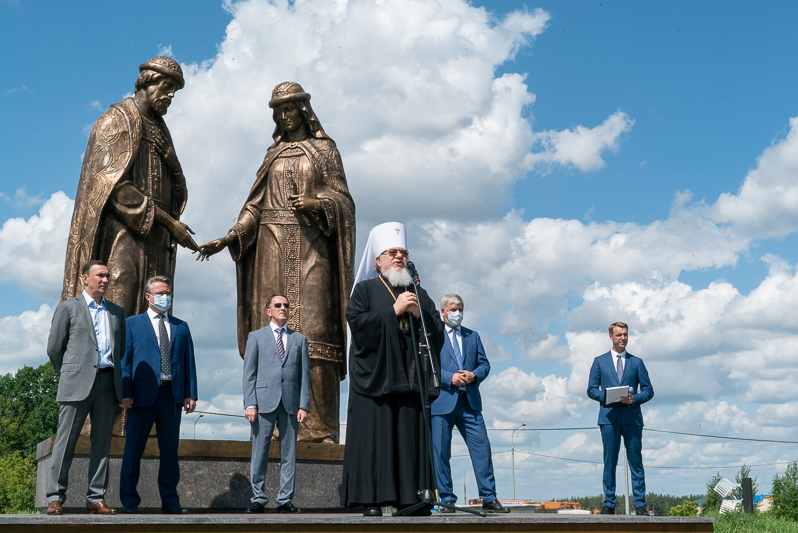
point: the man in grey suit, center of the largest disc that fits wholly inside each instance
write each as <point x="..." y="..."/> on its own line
<point x="87" y="337"/>
<point x="276" y="390"/>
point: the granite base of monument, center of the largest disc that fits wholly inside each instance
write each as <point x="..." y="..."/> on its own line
<point x="214" y="475"/>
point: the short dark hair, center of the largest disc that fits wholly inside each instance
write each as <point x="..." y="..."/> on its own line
<point x="269" y="300"/>
<point x="84" y="271"/>
<point x="617" y="325"/>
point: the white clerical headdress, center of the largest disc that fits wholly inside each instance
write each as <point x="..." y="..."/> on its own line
<point x="383" y="237"/>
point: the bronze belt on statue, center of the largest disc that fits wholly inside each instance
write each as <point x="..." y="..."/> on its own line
<point x="283" y="217"/>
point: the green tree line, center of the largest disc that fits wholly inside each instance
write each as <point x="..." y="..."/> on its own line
<point x="28" y="415"/>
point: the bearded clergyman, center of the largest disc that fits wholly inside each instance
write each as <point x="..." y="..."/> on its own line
<point x="384" y="458"/>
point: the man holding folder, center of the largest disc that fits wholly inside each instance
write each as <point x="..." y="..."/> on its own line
<point x="619" y="368"/>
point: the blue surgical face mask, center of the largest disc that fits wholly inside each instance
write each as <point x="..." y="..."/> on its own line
<point x="455" y="317"/>
<point x="161" y="302"/>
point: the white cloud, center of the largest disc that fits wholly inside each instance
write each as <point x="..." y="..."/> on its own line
<point x="32" y="251"/>
<point x="765" y="204"/>
<point x="581" y="147"/>
<point x="23" y="339"/>
<point x="407" y="90"/>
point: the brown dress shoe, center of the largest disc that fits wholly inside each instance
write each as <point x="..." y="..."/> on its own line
<point x="100" y="508"/>
<point x="55" y="508"/>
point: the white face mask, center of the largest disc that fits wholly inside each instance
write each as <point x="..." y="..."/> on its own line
<point x="162" y="302"/>
<point x="455" y="317"/>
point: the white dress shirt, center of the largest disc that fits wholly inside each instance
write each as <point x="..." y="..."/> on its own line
<point x="102" y="330"/>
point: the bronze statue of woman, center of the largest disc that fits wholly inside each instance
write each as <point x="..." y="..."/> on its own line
<point x="295" y="236"/>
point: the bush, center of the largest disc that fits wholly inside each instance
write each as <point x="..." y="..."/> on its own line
<point x="687" y="508"/>
<point x="785" y="493"/>
<point x="17" y="483"/>
<point x="28" y="409"/>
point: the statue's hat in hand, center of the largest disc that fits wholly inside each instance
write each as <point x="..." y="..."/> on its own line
<point x="166" y="66"/>
<point x="288" y="91"/>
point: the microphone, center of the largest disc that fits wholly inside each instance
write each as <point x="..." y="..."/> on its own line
<point x="411" y="268"/>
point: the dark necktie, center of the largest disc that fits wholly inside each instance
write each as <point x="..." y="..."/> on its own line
<point x="619" y="368"/>
<point x="280" y="347"/>
<point x="457" y="354"/>
<point x="163" y="344"/>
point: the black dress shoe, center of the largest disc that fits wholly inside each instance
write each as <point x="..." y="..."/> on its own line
<point x="607" y="510"/>
<point x="175" y="509"/>
<point x="372" y="510"/>
<point x="641" y="511"/>
<point x="255" y="508"/>
<point x="130" y="509"/>
<point x="494" y="506"/>
<point x="288" y="507"/>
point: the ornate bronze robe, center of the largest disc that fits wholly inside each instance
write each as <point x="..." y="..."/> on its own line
<point x="308" y="256"/>
<point x="122" y="180"/>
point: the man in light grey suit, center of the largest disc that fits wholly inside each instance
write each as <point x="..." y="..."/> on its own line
<point x="87" y="338"/>
<point x="276" y="390"/>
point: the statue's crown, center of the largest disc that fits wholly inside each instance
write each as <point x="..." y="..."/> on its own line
<point x="288" y="91"/>
<point x="166" y="66"/>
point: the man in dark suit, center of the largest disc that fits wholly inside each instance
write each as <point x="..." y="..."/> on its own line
<point x="614" y="369"/>
<point x="464" y="366"/>
<point x="276" y="390"/>
<point x="87" y="336"/>
<point x="159" y="380"/>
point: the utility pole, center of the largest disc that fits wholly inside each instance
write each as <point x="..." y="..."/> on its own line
<point x="512" y="451"/>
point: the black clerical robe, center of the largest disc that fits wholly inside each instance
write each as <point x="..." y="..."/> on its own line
<point x="384" y="456"/>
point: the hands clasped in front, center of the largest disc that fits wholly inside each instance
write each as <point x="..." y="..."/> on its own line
<point x="462" y="378"/>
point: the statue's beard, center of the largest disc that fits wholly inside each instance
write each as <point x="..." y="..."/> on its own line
<point x="398" y="278"/>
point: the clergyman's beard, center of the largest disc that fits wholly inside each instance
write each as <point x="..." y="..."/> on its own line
<point x="398" y="278"/>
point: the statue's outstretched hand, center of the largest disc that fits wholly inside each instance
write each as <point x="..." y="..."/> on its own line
<point x="182" y="234"/>
<point x="211" y="248"/>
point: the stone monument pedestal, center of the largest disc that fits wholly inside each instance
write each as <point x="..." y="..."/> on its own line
<point x="214" y="475"/>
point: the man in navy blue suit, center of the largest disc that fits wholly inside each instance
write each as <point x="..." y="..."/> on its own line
<point x="159" y="380"/>
<point x="625" y="419"/>
<point x="464" y="366"/>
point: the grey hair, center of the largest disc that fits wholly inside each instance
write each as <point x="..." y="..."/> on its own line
<point x="450" y="299"/>
<point x="157" y="279"/>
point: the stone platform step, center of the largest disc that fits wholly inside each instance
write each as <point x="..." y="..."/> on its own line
<point x="349" y="522"/>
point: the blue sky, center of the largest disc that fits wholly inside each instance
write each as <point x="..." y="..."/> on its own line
<point x="561" y="165"/>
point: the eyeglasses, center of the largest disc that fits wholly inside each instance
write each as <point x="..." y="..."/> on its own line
<point x="393" y="252"/>
<point x="278" y="305"/>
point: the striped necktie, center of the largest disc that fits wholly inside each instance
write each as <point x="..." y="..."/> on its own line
<point x="280" y="347"/>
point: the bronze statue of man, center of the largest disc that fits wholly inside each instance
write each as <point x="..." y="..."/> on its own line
<point x="131" y="192"/>
<point x="296" y="236"/>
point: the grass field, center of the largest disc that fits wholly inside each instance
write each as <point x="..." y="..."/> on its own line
<point x="752" y="523"/>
